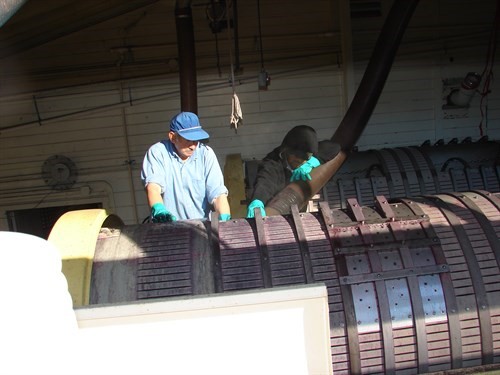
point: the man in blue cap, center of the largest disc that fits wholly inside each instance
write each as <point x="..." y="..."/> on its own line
<point x="182" y="175"/>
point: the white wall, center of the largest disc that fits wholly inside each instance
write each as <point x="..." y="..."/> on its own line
<point x="95" y="139"/>
<point x="444" y="41"/>
<point x="103" y="125"/>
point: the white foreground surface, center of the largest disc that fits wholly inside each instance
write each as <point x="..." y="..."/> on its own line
<point x="275" y="331"/>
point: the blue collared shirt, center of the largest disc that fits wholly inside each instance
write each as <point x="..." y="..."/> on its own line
<point x="188" y="187"/>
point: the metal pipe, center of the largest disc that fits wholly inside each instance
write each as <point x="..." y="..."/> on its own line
<point x="358" y="114"/>
<point x="187" y="58"/>
<point x="129" y="162"/>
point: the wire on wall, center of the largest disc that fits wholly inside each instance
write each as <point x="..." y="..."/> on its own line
<point x="487" y="74"/>
<point x="264" y="80"/>
<point x="212" y="16"/>
<point x="236" y="114"/>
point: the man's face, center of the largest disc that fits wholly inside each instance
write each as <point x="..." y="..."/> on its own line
<point x="183" y="147"/>
<point x="296" y="158"/>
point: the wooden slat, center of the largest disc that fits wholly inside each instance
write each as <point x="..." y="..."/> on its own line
<point x="234" y="180"/>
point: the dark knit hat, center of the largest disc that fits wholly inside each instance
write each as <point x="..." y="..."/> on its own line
<point x="301" y="138"/>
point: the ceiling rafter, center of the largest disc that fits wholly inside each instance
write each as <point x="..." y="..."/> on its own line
<point x="30" y="28"/>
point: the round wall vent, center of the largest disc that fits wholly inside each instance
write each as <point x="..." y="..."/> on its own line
<point x="59" y="172"/>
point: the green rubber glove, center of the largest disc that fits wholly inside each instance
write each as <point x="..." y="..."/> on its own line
<point x="256" y="203"/>
<point x="224" y="217"/>
<point x="159" y="214"/>
<point x="302" y="172"/>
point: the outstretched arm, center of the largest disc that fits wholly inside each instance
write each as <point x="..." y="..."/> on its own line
<point x="159" y="213"/>
<point x="221" y="206"/>
<point x="153" y="192"/>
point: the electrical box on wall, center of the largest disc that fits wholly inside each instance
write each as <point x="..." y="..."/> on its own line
<point x="452" y="112"/>
<point x="457" y="95"/>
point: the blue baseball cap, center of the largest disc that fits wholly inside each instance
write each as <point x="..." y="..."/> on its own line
<point x="188" y="126"/>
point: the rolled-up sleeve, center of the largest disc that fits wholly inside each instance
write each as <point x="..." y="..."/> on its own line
<point x="153" y="168"/>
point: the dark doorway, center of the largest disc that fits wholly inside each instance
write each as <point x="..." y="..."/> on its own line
<point x="39" y="221"/>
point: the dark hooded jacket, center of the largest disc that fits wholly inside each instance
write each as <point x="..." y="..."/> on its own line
<point x="272" y="172"/>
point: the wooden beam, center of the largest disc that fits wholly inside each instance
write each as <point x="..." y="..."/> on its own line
<point x="35" y="25"/>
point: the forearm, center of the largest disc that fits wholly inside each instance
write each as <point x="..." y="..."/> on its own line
<point x="221" y="205"/>
<point x="153" y="192"/>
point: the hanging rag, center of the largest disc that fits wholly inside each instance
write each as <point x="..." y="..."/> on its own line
<point x="236" y="115"/>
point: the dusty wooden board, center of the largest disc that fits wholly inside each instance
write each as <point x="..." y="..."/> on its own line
<point x="235" y="182"/>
